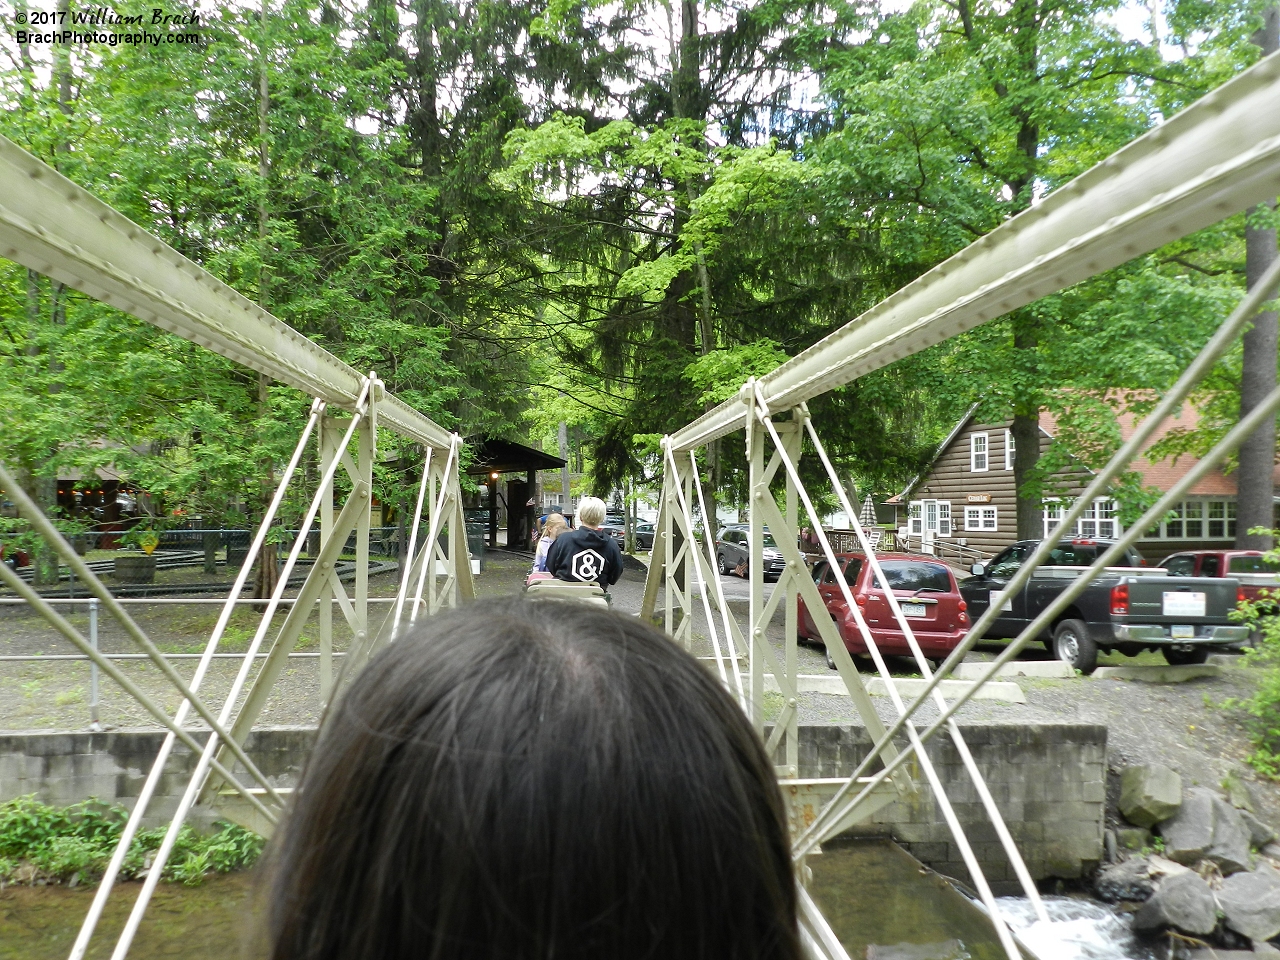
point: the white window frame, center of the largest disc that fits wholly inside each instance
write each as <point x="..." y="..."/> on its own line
<point x="1052" y="515"/>
<point x="1100" y="520"/>
<point x="1201" y="515"/>
<point x="975" y="453"/>
<point x="929" y="517"/>
<point x="976" y="519"/>
<point x="1009" y="450"/>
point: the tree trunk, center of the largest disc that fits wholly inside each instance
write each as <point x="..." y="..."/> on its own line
<point x="268" y="574"/>
<point x="1026" y="438"/>
<point x="45" y="560"/>
<point x="1254" y="478"/>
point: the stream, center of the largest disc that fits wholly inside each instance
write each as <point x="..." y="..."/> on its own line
<point x="877" y="899"/>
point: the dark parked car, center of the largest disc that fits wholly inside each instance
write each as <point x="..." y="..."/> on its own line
<point x="734" y="550"/>
<point x="926" y="590"/>
<point x="644" y="534"/>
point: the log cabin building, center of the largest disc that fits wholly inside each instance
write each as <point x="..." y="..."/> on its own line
<point x="966" y="494"/>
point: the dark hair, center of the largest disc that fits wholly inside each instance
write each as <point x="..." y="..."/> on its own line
<point x="517" y="782"/>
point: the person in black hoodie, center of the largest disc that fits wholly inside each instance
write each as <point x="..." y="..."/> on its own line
<point x="586" y="555"/>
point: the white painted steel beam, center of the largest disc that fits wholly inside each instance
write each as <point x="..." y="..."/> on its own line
<point x="49" y="224"/>
<point x="1214" y="159"/>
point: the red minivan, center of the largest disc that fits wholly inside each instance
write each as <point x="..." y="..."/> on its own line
<point x="926" y="590"/>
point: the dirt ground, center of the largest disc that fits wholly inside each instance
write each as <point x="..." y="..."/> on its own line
<point x="1184" y="725"/>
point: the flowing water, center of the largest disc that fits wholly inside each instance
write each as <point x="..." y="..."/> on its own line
<point x="878" y="900"/>
<point x="883" y="906"/>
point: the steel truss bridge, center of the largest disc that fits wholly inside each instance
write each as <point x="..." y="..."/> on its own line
<point x="1216" y="158"/>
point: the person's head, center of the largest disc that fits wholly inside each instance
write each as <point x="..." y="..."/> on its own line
<point x="557" y="783"/>
<point x="591" y="511"/>
<point x="554" y="526"/>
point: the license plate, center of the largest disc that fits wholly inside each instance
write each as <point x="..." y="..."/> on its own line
<point x="1182" y="632"/>
<point x="1183" y="603"/>
<point x="914" y="609"/>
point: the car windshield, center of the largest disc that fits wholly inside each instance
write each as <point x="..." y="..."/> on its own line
<point x="769" y="541"/>
<point x="1252" y="565"/>
<point x="916" y="575"/>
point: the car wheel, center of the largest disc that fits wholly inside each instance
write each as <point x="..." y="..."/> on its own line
<point x="1071" y="644"/>
<point x="722" y="565"/>
<point x="1183" y="658"/>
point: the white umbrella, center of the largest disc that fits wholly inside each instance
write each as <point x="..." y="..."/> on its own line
<point x="868" y="515"/>
<point x="868" y="520"/>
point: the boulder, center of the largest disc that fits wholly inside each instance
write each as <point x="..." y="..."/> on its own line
<point x="1230" y="847"/>
<point x="1149" y="794"/>
<point x="1188" y="834"/>
<point x="1251" y="903"/>
<point x="1133" y="838"/>
<point x="1131" y="880"/>
<point x="1183" y="901"/>
<point x="1206" y="827"/>
<point x="1237" y="791"/>
<point x="1260" y="834"/>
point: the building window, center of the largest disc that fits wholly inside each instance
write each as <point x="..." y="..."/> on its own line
<point x="915" y="518"/>
<point x="1216" y="518"/>
<point x="978" y="452"/>
<point x="1008" y="450"/>
<point x="1052" y="517"/>
<point x="1097" y="522"/>
<point x="1198" y="520"/>
<point x="980" y="518"/>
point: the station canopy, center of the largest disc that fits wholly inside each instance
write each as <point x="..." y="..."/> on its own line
<point x="493" y="455"/>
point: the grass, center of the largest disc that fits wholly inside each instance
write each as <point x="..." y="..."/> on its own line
<point x="72" y="844"/>
<point x="66" y="698"/>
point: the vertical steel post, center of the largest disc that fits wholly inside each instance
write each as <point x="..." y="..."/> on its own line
<point x="95" y="721"/>
<point x="367" y="451"/>
<point x="684" y="482"/>
<point x="791" y="638"/>
<point x="758" y="488"/>
<point x="668" y="549"/>
<point x="327" y="439"/>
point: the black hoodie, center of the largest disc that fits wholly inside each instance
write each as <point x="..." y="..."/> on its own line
<point x="584" y="555"/>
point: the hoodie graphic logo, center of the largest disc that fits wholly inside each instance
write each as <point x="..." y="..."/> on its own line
<point x="587" y="565"/>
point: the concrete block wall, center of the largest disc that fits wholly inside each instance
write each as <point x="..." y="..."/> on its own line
<point x="1049" y="781"/>
<point x="64" y="768"/>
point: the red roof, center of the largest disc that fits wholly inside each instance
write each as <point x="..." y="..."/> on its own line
<point x="1165" y="473"/>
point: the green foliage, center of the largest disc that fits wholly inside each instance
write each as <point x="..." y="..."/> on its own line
<point x="720" y="374"/>
<point x="62" y="843"/>
<point x="1260" y="711"/>
<point x="521" y="213"/>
